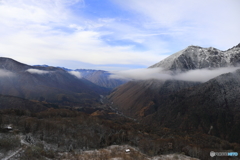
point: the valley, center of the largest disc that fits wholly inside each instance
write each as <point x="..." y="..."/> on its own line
<point x="56" y="113"/>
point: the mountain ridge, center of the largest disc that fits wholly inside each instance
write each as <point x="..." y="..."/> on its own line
<point x="195" y="57"/>
<point x="46" y="84"/>
<point x="98" y="77"/>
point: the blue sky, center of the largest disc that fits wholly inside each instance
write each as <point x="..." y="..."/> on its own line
<point x="113" y="34"/>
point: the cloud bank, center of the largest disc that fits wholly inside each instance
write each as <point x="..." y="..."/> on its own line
<point x="198" y="75"/>
<point x="141" y="74"/>
<point x="37" y="71"/>
<point x="5" y="73"/>
<point x="76" y="74"/>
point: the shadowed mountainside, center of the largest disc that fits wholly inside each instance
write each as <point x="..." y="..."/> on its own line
<point x="98" y="77"/>
<point x="46" y="84"/>
<point x="139" y="99"/>
<point x="212" y="108"/>
<point x="11" y="102"/>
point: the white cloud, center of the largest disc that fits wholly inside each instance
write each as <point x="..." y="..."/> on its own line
<point x="5" y="73"/>
<point x="76" y="74"/>
<point x="141" y="74"/>
<point x="203" y="75"/>
<point x="84" y="46"/>
<point x="199" y="75"/>
<point x="37" y="71"/>
<point x="50" y="31"/>
<point x="36" y="29"/>
<point x="198" y="22"/>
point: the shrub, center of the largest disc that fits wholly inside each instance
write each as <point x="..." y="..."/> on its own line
<point x="9" y="142"/>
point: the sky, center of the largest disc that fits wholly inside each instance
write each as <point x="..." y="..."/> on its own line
<point x="113" y="35"/>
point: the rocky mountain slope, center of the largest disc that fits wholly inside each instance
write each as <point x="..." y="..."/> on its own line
<point x="195" y="57"/>
<point x="212" y="108"/>
<point x="139" y="98"/>
<point x="46" y="84"/>
<point x="186" y="105"/>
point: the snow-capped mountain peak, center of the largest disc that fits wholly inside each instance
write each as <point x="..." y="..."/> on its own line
<point x="195" y="57"/>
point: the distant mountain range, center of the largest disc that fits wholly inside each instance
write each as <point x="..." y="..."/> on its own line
<point x="101" y="78"/>
<point x="212" y="107"/>
<point x="98" y="77"/>
<point x="48" y="84"/>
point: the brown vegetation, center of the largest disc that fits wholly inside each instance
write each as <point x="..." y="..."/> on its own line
<point x="71" y="131"/>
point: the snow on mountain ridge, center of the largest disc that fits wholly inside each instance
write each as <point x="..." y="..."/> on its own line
<point x="195" y="57"/>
